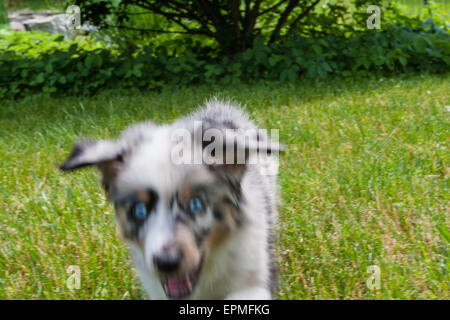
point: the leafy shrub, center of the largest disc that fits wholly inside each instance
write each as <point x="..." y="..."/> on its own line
<point x="232" y="24"/>
<point x="34" y="44"/>
<point x="80" y="70"/>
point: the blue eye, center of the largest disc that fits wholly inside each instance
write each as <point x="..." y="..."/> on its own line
<point x="140" y="211"/>
<point x="196" y="205"/>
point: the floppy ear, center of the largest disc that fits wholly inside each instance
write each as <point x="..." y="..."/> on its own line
<point x="106" y="155"/>
<point x="86" y="153"/>
<point x="247" y="150"/>
<point x="232" y="150"/>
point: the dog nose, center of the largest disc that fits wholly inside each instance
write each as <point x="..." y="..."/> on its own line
<point x="168" y="261"/>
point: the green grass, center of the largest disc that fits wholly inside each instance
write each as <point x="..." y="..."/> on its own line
<point x="37" y="5"/>
<point x="365" y="181"/>
<point x="417" y="7"/>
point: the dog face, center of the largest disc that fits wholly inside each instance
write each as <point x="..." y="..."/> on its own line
<point x="176" y="214"/>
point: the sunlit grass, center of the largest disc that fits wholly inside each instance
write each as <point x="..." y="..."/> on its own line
<point x="365" y="181"/>
<point x="37" y="5"/>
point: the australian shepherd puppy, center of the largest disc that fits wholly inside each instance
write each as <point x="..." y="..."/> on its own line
<point x="196" y="200"/>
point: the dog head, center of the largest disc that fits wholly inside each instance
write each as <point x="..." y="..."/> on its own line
<point x="175" y="212"/>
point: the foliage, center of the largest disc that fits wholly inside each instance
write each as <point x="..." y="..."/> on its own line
<point x="37" y="5"/>
<point x="3" y="14"/>
<point x="35" y="44"/>
<point x="78" y="70"/>
<point x="233" y="24"/>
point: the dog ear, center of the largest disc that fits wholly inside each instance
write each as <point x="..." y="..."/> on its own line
<point x="105" y="154"/>
<point x="86" y="153"/>
<point x="232" y="150"/>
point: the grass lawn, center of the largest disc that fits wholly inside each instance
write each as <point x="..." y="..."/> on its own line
<point x="365" y="181"/>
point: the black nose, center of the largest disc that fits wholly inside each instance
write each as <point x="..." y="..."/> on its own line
<point x="168" y="261"/>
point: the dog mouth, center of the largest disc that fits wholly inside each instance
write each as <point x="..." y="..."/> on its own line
<point x="179" y="286"/>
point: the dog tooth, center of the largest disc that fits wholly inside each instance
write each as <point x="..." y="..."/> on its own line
<point x="189" y="282"/>
<point x="166" y="287"/>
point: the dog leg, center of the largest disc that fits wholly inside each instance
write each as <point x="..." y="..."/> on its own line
<point x="252" y="293"/>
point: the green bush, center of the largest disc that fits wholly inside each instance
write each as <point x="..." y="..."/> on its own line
<point x="3" y="13"/>
<point x="84" y="69"/>
<point x="35" y="44"/>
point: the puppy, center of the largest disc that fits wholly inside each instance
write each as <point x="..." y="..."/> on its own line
<point x="196" y="200"/>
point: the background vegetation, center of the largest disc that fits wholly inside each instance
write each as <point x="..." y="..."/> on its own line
<point x="331" y="41"/>
<point x="364" y="114"/>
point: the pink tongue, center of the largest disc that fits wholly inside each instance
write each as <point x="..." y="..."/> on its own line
<point x="178" y="287"/>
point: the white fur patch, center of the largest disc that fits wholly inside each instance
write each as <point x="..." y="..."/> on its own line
<point x="240" y="269"/>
